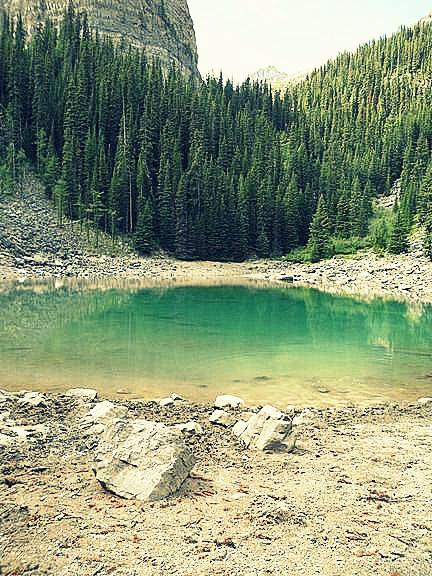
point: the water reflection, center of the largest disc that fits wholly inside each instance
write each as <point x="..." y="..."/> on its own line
<point x="270" y="344"/>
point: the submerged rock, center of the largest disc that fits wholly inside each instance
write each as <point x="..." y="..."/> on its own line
<point x="268" y="430"/>
<point x="227" y="401"/>
<point x="142" y="460"/>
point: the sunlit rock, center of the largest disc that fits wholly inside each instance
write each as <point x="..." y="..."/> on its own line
<point x="142" y="460"/>
<point x="227" y="401"/>
<point x="268" y="430"/>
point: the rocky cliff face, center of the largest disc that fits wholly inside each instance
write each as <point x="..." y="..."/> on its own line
<point x="163" y="28"/>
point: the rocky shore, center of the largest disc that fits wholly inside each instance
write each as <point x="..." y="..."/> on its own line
<point x="351" y="495"/>
<point x="34" y="247"/>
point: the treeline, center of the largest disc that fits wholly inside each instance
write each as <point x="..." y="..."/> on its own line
<point x="214" y="171"/>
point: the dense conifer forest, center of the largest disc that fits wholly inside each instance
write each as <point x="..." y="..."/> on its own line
<point x="216" y="171"/>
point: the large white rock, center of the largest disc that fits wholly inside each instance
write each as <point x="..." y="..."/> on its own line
<point x="83" y="393"/>
<point x="142" y="460"/>
<point x="267" y="430"/>
<point x="226" y="401"/>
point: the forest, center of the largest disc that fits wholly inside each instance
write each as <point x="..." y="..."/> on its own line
<point x="211" y="170"/>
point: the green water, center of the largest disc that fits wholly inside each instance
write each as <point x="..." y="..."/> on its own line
<point x="276" y="345"/>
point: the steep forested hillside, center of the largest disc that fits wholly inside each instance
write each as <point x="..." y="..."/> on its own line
<point x="212" y="170"/>
<point x="359" y="124"/>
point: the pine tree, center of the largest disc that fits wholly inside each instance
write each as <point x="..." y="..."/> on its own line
<point x="398" y="241"/>
<point x="320" y="244"/>
<point x="143" y="238"/>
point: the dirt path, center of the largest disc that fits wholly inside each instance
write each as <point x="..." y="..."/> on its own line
<point x="354" y="498"/>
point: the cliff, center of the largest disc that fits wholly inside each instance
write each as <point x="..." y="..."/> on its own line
<point x="163" y="28"/>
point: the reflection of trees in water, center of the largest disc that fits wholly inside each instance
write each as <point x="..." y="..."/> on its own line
<point x="230" y="319"/>
<point x="385" y="323"/>
<point x="25" y="314"/>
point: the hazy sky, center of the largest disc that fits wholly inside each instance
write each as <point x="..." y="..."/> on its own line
<point x="241" y="36"/>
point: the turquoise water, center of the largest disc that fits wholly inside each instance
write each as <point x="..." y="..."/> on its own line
<point x="267" y="344"/>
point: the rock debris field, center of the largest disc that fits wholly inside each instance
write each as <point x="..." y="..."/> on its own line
<point x="90" y="486"/>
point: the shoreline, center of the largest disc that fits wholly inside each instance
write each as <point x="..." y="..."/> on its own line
<point x="405" y="277"/>
<point x="336" y="499"/>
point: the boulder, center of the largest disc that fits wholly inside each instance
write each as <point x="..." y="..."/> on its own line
<point x="142" y="460"/>
<point x="222" y="418"/>
<point x="226" y="401"/>
<point x="267" y="430"/>
<point x="33" y="399"/>
<point x="3" y="397"/>
<point x="83" y="393"/>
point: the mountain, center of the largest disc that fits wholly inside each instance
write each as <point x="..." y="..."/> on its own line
<point x="163" y="28"/>
<point x="279" y="80"/>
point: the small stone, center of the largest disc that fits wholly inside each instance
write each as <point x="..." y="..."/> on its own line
<point x="3" y="397"/>
<point x="33" y="399"/>
<point x="424" y="401"/>
<point x="142" y="460"/>
<point x="227" y="401"/>
<point x="177" y="398"/>
<point x="222" y="418"/>
<point x="6" y="440"/>
<point x="323" y="390"/>
<point x="84" y="393"/>
<point x="102" y="413"/>
<point x="95" y="430"/>
<point x="166" y="401"/>
<point x="190" y="428"/>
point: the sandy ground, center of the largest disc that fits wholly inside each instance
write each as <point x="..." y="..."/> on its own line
<point x="353" y="499"/>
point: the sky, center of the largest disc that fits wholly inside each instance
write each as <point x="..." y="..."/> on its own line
<point x="241" y="36"/>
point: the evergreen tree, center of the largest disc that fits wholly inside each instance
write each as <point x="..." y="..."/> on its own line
<point x="143" y="238"/>
<point x="320" y="244"/>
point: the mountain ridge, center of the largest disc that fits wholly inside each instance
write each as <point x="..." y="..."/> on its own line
<point x="162" y="28"/>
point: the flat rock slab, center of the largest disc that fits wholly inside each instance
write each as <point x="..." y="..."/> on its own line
<point x="142" y="460"/>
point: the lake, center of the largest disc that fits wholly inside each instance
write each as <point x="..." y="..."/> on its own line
<point x="267" y="344"/>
